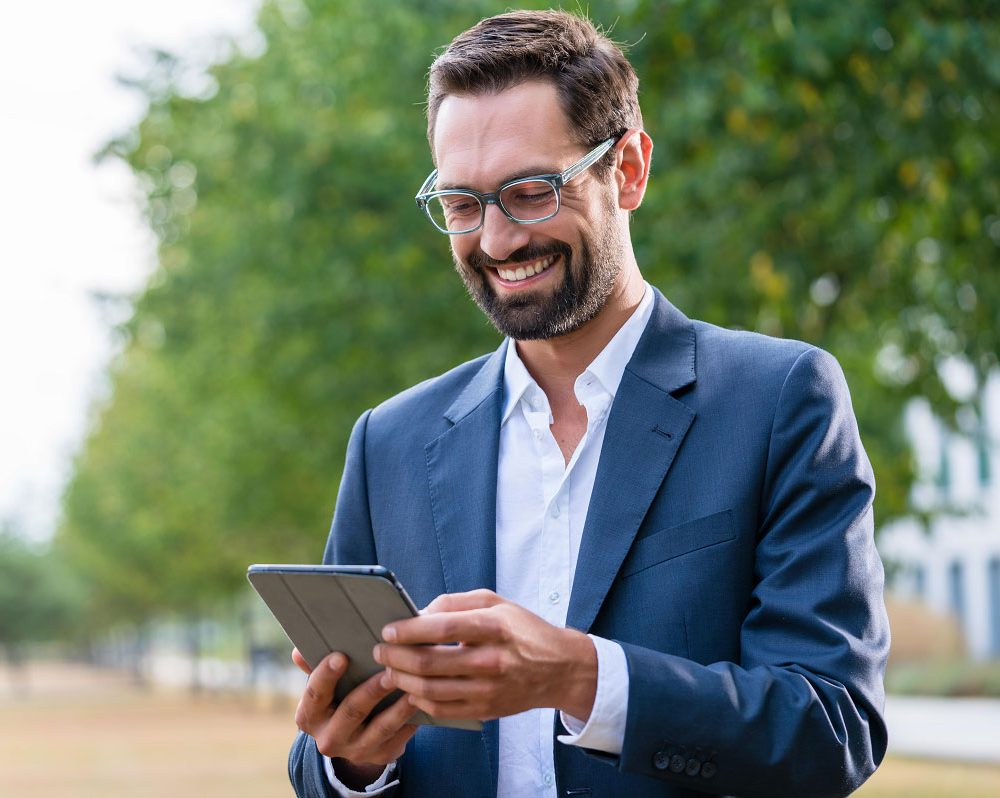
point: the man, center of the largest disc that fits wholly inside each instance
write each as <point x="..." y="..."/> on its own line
<point x="650" y="537"/>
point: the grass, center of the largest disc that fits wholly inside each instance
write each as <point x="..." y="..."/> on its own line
<point x="77" y="733"/>
<point x="913" y="778"/>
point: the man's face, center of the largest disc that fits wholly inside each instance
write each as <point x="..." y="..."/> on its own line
<point x="540" y="280"/>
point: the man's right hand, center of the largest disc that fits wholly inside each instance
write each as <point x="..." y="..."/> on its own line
<point x="361" y="746"/>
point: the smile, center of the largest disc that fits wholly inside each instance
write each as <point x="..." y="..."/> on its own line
<point x="524" y="272"/>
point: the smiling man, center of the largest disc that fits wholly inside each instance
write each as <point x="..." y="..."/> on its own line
<point x="649" y="537"/>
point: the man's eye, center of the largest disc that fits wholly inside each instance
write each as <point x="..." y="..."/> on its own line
<point x="536" y="196"/>
<point x="460" y="206"/>
<point x="529" y="194"/>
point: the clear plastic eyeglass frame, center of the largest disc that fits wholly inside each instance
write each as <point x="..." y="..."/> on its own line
<point x="557" y="181"/>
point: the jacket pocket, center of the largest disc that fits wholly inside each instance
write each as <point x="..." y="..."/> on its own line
<point x="679" y="540"/>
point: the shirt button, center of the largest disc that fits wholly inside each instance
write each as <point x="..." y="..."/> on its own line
<point x="538" y="434"/>
<point x="547" y="778"/>
<point x="554" y="512"/>
<point x="554" y="597"/>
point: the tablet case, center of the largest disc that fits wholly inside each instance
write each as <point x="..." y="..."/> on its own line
<point x="332" y="608"/>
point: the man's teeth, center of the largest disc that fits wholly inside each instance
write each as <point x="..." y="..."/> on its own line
<point x="523" y="272"/>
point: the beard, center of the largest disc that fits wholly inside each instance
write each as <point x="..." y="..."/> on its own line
<point x="587" y="282"/>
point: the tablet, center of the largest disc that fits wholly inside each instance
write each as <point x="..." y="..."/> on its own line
<point x="327" y="608"/>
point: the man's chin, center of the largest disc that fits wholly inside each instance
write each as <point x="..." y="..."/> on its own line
<point x="524" y="320"/>
<point x="520" y="318"/>
<point x="551" y="309"/>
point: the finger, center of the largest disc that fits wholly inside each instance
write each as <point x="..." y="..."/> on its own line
<point x="358" y="704"/>
<point x="386" y="725"/>
<point x="465" y="626"/>
<point x="443" y="710"/>
<point x="315" y="706"/>
<point x="381" y="739"/>
<point x="440" y="660"/>
<point x="322" y="683"/>
<point x="438" y="688"/>
<point x="300" y="661"/>
<point x="470" y="600"/>
<point x="393" y="748"/>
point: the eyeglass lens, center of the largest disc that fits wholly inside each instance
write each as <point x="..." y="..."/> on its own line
<point x="526" y="201"/>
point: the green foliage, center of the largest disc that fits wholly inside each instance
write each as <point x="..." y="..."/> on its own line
<point x="950" y="677"/>
<point x="821" y="171"/>
<point x="39" y="597"/>
<point x="828" y="172"/>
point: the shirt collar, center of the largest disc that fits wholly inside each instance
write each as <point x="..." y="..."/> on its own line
<point x="608" y="367"/>
<point x="516" y="380"/>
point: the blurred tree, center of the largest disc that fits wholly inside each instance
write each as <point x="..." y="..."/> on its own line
<point x="293" y="290"/>
<point x="39" y="597"/>
<point x="829" y="172"/>
<point x="822" y="171"/>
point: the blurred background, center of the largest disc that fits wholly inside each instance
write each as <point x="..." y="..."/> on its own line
<point x="211" y="263"/>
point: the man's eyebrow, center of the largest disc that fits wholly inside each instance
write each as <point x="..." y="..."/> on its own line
<point x="532" y="172"/>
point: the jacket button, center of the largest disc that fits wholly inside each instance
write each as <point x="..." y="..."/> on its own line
<point x="692" y="768"/>
<point x="708" y="770"/>
<point x="660" y="760"/>
<point x="677" y="763"/>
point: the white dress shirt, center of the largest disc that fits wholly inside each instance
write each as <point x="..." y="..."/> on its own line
<point x="541" y="510"/>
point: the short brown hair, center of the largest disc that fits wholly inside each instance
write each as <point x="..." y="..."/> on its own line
<point x="598" y="88"/>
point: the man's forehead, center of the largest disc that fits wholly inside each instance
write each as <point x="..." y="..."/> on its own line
<point x="483" y="139"/>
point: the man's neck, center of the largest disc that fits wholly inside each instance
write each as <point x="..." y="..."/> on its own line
<point x="555" y="363"/>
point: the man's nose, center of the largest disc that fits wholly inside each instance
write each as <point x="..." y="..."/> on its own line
<point x="499" y="235"/>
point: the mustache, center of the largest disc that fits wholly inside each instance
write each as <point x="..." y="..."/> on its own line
<point x="480" y="260"/>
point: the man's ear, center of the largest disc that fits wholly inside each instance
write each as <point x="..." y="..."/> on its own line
<point x="634" y="155"/>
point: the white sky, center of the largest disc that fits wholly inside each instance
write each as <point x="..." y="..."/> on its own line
<point x="69" y="228"/>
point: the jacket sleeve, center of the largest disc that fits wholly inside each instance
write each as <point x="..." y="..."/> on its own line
<point x="306" y="771"/>
<point x="351" y="542"/>
<point x="800" y="713"/>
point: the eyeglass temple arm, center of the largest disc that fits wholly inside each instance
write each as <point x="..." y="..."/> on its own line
<point x="589" y="159"/>
<point x="426" y="186"/>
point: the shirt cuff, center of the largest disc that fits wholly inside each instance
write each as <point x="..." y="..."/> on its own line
<point x="604" y="730"/>
<point x="377" y="787"/>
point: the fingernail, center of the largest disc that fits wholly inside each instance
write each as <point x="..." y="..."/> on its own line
<point x="386" y="680"/>
<point x="337" y="662"/>
<point x="377" y="654"/>
<point x="389" y="633"/>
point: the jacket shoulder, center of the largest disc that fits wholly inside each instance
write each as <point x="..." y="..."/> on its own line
<point x="753" y="358"/>
<point x="426" y="402"/>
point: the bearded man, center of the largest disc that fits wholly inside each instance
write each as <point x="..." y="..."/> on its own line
<point x="644" y="543"/>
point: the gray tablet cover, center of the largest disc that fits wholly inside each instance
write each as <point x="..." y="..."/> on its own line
<point x="322" y="612"/>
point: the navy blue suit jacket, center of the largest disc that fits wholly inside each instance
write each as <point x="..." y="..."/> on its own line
<point x="728" y="548"/>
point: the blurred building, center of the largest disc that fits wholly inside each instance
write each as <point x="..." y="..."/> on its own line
<point x="952" y="564"/>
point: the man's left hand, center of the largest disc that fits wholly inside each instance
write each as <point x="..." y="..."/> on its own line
<point x="507" y="660"/>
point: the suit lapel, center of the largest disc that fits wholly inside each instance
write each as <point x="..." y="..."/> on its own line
<point x="645" y="430"/>
<point x="462" y="476"/>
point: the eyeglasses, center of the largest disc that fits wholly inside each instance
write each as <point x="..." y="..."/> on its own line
<point x="526" y="200"/>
